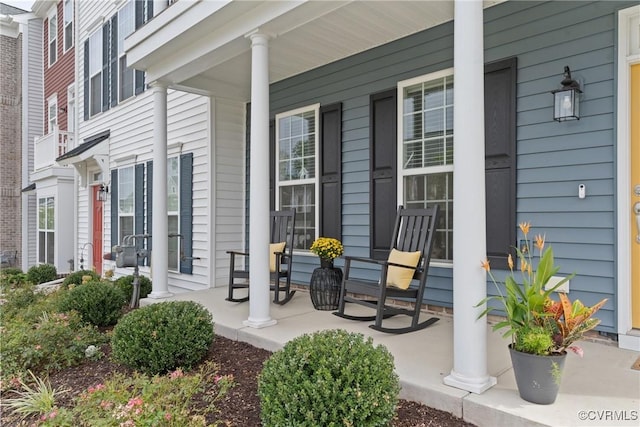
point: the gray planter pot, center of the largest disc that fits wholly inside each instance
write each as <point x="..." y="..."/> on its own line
<point x="537" y="377"/>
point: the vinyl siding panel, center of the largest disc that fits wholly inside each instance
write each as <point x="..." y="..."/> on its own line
<point x="553" y="158"/>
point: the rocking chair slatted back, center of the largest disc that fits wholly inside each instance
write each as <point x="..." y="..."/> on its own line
<point x="413" y="231"/>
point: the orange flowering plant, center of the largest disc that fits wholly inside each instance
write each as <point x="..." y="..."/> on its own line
<point x="536" y="323"/>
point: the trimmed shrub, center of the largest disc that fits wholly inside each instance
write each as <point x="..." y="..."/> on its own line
<point x="98" y="303"/>
<point x="329" y="378"/>
<point x="77" y="277"/>
<point x="125" y="284"/>
<point x="42" y="273"/>
<point x="161" y="337"/>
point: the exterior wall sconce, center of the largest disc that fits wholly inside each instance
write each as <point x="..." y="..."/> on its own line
<point x="566" y="100"/>
<point x="103" y="191"/>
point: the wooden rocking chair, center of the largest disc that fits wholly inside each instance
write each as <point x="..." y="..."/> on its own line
<point x="281" y="254"/>
<point x="411" y="246"/>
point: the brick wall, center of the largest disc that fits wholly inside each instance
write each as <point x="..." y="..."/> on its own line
<point x="10" y="143"/>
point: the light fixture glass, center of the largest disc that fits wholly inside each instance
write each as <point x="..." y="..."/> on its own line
<point x="566" y="100"/>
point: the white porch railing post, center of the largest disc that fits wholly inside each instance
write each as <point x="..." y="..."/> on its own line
<point x="469" y="239"/>
<point x="160" y="222"/>
<point x="259" y="293"/>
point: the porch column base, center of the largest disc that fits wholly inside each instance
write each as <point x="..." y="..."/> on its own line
<point x="259" y="323"/>
<point x="472" y="384"/>
<point x="159" y="295"/>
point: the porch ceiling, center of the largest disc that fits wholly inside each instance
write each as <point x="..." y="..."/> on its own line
<point x="201" y="46"/>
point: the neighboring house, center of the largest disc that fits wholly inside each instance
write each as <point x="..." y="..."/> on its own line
<point x="54" y="184"/>
<point x="21" y="118"/>
<point x="360" y="97"/>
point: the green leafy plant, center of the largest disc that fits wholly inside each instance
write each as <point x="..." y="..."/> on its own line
<point x="46" y="344"/>
<point x="11" y="277"/>
<point x="36" y="399"/>
<point x="535" y="322"/>
<point x="125" y="283"/>
<point x="79" y="277"/>
<point x="329" y="378"/>
<point x="98" y="303"/>
<point x="42" y="273"/>
<point x="161" y="337"/>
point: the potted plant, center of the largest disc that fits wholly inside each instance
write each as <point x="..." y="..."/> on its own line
<point x="541" y="328"/>
<point x="326" y="280"/>
<point x="328" y="249"/>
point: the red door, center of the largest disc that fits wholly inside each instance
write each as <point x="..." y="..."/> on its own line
<point x="97" y="230"/>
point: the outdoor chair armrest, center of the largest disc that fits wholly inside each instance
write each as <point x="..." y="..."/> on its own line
<point x="348" y="259"/>
<point x="238" y="253"/>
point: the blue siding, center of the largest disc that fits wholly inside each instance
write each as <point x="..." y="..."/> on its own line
<point x="553" y="158"/>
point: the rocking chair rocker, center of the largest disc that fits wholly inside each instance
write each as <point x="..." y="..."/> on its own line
<point x="281" y="254"/>
<point x="409" y="260"/>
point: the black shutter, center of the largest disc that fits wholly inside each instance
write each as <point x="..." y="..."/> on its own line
<point x="139" y="21"/>
<point x="272" y="164"/>
<point x="138" y="227"/>
<point x="114" y="211"/>
<point x="383" y="192"/>
<point x="149" y="208"/>
<point x="106" y="45"/>
<point x="86" y="80"/>
<point x="331" y="171"/>
<point x="500" y="159"/>
<point x="186" y="212"/>
<point x="139" y="13"/>
<point x="113" y="67"/>
<point x="149" y="10"/>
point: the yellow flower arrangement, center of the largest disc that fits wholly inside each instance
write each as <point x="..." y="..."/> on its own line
<point x="327" y="248"/>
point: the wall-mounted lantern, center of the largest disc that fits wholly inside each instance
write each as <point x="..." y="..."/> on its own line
<point x="566" y="100"/>
<point x="103" y="193"/>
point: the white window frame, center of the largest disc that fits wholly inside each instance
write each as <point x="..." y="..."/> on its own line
<point x="122" y="214"/>
<point x="95" y="51"/>
<point x="53" y="15"/>
<point x="315" y="108"/>
<point x="71" y="108"/>
<point x="48" y="229"/>
<point x="68" y="23"/>
<point x="122" y="57"/>
<point x="425" y="170"/>
<point x="174" y="213"/>
<point x="52" y="119"/>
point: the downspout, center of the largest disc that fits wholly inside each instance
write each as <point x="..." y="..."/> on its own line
<point x="76" y="126"/>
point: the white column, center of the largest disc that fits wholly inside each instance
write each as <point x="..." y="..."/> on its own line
<point x="160" y="223"/>
<point x="469" y="223"/>
<point x="259" y="293"/>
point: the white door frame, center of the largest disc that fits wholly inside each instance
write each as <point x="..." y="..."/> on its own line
<point x="627" y="55"/>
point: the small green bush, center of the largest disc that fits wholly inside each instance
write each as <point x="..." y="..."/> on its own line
<point x="125" y="284"/>
<point x="164" y="336"/>
<point x="12" y="278"/>
<point x="76" y="277"/>
<point x="98" y="303"/>
<point x="42" y="273"/>
<point x="330" y="378"/>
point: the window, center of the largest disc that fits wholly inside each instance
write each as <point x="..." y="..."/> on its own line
<point x="53" y="37"/>
<point x="52" y="114"/>
<point x="68" y="24"/>
<point x="95" y="72"/>
<point x="297" y="160"/>
<point x="426" y="151"/>
<point x="126" y="26"/>
<point x="126" y="194"/>
<point x="173" y="210"/>
<point x="46" y="230"/>
<point x="71" y="108"/>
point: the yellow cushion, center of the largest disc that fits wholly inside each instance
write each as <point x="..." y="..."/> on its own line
<point x="273" y="248"/>
<point x="398" y="276"/>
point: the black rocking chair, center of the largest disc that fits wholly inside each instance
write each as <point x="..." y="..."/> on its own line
<point x="281" y="225"/>
<point x="413" y="232"/>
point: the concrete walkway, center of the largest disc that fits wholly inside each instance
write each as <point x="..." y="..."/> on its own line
<point x="600" y="389"/>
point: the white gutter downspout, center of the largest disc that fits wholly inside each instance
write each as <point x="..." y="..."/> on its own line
<point x="470" y="370"/>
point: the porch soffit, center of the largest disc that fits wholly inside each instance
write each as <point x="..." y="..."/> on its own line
<point x="201" y="47"/>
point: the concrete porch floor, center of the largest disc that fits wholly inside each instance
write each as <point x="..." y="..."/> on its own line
<point x="600" y="389"/>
